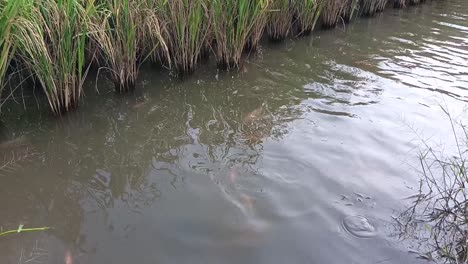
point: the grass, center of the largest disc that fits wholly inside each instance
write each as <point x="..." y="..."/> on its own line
<point x="188" y="30"/>
<point x="405" y="3"/>
<point x="333" y="12"/>
<point x="257" y="31"/>
<point x="51" y="40"/>
<point x="121" y="29"/>
<point x="21" y="229"/>
<point x="56" y="41"/>
<point x="351" y="8"/>
<point x="233" y="34"/>
<point x="371" y="7"/>
<point x="280" y="19"/>
<point x="307" y="13"/>
<point x="437" y="217"/>
<point x="400" y="3"/>
<point x="9" y="11"/>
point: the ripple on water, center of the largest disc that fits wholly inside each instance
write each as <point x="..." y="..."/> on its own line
<point x="359" y="226"/>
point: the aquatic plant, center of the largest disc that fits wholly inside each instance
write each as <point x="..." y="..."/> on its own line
<point x="333" y="11"/>
<point x="12" y="161"/>
<point x="21" y="229"/>
<point x="307" y="12"/>
<point x="438" y="213"/>
<point x="280" y="18"/>
<point x="121" y="29"/>
<point x="371" y="7"/>
<point x="233" y="22"/>
<point x="51" y="39"/>
<point x="188" y="27"/>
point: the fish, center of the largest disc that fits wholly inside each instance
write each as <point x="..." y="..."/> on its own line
<point x="247" y="201"/>
<point x="233" y="175"/>
<point x="138" y="105"/>
<point x="68" y="258"/>
<point x="255" y="114"/>
<point x="14" y="143"/>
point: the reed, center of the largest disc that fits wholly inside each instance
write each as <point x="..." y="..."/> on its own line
<point x="257" y="31"/>
<point x="333" y="11"/>
<point x="188" y="28"/>
<point x="400" y="3"/>
<point x="233" y="23"/>
<point x="351" y="8"/>
<point x="280" y="19"/>
<point x="51" y="38"/>
<point x="307" y="13"/>
<point x="9" y="11"/>
<point x="371" y="7"/>
<point x="121" y="30"/>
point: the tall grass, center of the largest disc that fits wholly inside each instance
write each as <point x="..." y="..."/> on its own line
<point x="371" y="7"/>
<point x="233" y="23"/>
<point x="352" y="6"/>
<point x="9" y="11"/>
<point x="257" y="31"/>
<point x="437" y="217"/>
<point x="280" y="18"/>
<point x="121" y="30"/>
<point x="51" y="40"/>
<point x="188" y="28"/>
<point x="333" y="11"/>
<point x="400" y="3"/>
<point x="307" y="13"/>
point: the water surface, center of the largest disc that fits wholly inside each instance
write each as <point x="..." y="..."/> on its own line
<point x="303" y="156"/>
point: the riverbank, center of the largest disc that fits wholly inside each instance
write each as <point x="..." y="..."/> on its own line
<point x="52" y="45"/>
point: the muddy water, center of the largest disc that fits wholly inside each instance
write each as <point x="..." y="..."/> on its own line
<point x="301" y="157"/>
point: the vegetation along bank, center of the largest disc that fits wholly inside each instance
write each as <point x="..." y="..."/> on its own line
<point x="52" y="44"/>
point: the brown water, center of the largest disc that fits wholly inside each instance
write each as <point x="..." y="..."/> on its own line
<point x="301" y="157"/>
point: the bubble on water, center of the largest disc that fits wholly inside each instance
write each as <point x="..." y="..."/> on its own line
<point x="359" y="226"/>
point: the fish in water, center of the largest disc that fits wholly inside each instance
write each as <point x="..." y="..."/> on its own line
<point x="138" y="105"/>
<point x="233" y="175"/>
<point x="247" y="201"/>
<point x="243" y="69"/>
<point x="68" y="257"/>
<point x="14" y="143"/>
<point x="255" y="114"/>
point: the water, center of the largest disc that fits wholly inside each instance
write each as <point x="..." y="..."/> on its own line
<point x="294" y="159"/>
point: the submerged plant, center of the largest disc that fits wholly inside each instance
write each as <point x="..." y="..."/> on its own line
<point x="307" y="13"/>
<point x="121" y="28"/>
<point x="188" y="26"/>
<point x="233" y="22"/>
<point x="280" y="18"/>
